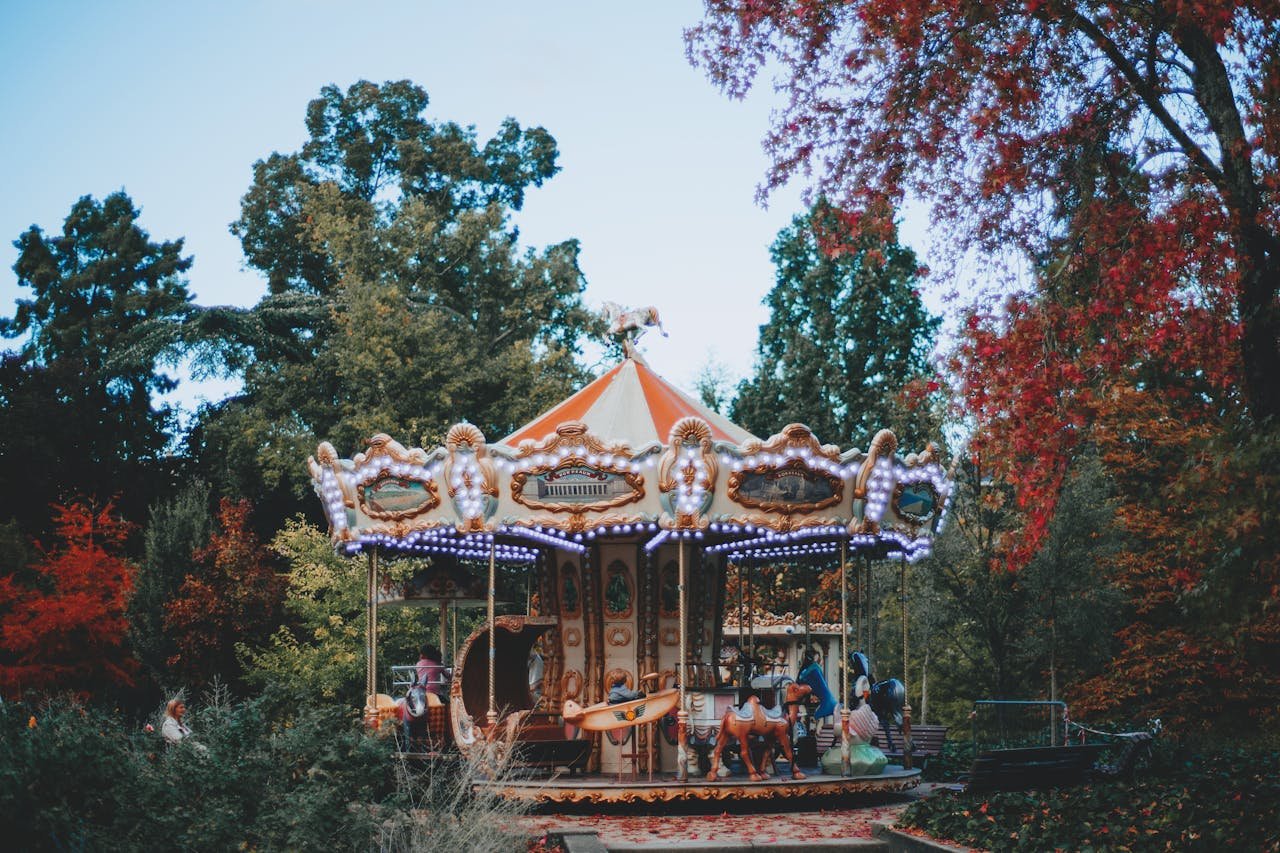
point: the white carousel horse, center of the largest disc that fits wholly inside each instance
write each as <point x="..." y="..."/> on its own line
<point x="624" y="321"/>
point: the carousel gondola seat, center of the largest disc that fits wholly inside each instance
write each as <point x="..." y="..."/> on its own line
<point x="539" y="736"/>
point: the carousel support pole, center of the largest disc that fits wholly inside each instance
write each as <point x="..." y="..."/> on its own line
<point x="682" y="716"/>
<point x="845" y="767"/>
<point x="906" y="705"/>
<point x="808" y="608"/>
<point x="742" y="624"/>
<point x="371" y="640"/>
<point x="493" y="652"/>
<point x="866" y="616"/>
<point x="444" y="634"/>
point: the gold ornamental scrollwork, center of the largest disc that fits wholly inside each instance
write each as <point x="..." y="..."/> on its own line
<point x="572" y="637"/>
<point x="384" y="454"/>
<point x="737" y="479"/>
<point x="572" y="446"/>
<point x="571" y="684"/>
<point x="670" y="637"/>
<point x="687" y="475"/>
<point x="784" y="524"/>
<point x="618" y="636"/>
<point x="915" y="520"/>
<point x="469" y="470"/>
<point x="794" y="442"/>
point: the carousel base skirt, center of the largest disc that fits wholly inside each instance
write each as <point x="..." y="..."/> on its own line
<point x="606" y="787"/>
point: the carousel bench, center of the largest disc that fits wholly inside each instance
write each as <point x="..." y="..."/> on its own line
<point x="926" y="742"/>
<point x="1032" y="767"/>
<point x="540" y="743"/>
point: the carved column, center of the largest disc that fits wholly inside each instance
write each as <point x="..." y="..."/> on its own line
<point x="549" y="605"/>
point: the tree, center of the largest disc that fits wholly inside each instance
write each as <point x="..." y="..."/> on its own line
<point x="847" y="333"/>
<point x="969" y="575"/>
<point x="105" y="313"/>
<point x="176" y="530"/>
<point x="1200" y="636"/>
<point x="1071" y="605"/>
<point x="401" y="300"/>
<point x="64" y="628"/>
<point x="232" y="596"/>
<point x="318" y="651"/>
<point x="989" y="109"/>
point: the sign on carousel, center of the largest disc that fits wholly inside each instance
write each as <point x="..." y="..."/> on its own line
<point x="575" y="487"/>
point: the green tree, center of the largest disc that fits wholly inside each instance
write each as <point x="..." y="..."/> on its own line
<point x="105" y="313"/>
<point x="176" y="530"/>
<point x="1072" y="608"/>
<point x="847" y="334"/>
<point x="984" y="602"/>
<point x="319" y="651"/>
<point x="401" y="300"/>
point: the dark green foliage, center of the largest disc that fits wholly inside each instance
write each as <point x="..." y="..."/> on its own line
<point x="105" y="312"/>
<point x="1072" y="612"/>
<point x="400" y="299"/>
<point x="175" y="530"/>
<point x="375" y="146"/>
<point x="847" y="333"/>
<point x="1186" y="800"/>
<point x="268" y="774"/>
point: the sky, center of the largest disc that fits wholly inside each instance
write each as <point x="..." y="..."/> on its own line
<point x="174" y="102"/>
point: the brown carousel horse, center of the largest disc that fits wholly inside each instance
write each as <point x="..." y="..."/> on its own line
<point x="751" y="718"/>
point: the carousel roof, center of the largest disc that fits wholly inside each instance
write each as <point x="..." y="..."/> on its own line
<point x="630" y="403"/>
<point x="632" y="455"/>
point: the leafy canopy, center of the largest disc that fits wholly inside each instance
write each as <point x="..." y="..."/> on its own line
<point x="401" y="300"/>
<point x="63" y="627"/>
<point x="106" y="312"/>
<point x="847" y="333"/>
<point x="992" y="111"/>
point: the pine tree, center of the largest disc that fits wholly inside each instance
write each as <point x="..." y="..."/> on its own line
<point x="847" y="334"/>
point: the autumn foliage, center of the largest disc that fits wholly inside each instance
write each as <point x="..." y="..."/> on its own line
<point x="1125" y="155"/>
<point x="62" y="623"/>
<point x="233" y="596"/>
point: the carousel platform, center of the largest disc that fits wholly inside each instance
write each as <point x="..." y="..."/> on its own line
<point x="603" y="788"/>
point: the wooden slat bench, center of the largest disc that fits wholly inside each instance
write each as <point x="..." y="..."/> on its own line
<point x="1032" y="767"/>
<point x="926" y="742"/>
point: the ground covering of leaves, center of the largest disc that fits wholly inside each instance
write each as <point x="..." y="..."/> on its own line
<point x="1186" y="800"/>
<point x="852" y="820"/>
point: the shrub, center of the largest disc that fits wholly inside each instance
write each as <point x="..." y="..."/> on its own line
<point x="1186" y="800"/>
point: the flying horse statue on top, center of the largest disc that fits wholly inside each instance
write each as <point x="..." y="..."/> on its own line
<point x="630" y="323"/>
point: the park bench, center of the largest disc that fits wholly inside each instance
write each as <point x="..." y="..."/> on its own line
<point x="1032" y="767"/>
<point x="926" y="742"/>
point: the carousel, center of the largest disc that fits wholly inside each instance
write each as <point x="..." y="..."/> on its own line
<point x="628" y="505"/>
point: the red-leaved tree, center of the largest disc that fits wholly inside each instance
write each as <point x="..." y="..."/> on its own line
<point x="989" y="110"/>
<point x="232" y="597"/>
<point x="64" y="627"/>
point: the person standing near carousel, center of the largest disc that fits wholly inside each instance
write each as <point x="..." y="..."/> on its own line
<point x="174" y="729"/>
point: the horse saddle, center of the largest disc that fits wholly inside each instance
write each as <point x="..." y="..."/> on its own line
<point x="746" y="712"/>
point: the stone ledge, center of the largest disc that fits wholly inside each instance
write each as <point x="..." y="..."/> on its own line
<point x="904" y="842"/>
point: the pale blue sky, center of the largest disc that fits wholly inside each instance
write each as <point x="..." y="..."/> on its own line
<point x="174" y="102"/>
